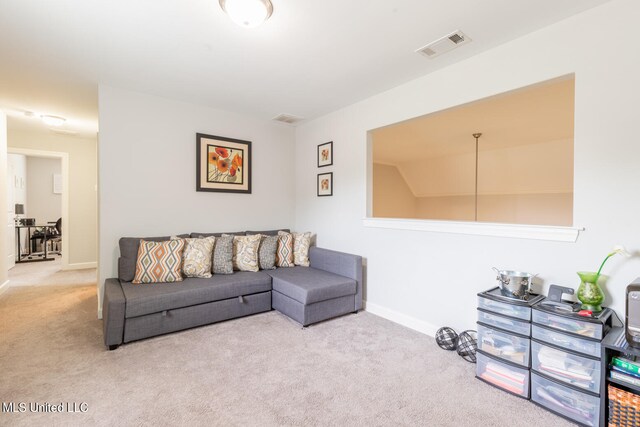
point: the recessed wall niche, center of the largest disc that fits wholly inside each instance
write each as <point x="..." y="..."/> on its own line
<point x="520" y="171"/>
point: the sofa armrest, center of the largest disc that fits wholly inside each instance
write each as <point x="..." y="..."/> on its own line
<point x="113" y="312"/>
<point x="340" y="263"/>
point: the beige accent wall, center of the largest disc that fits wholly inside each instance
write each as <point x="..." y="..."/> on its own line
<point x="82" y="221"/>
<point x="523" y="184"/>
<point x="42" y="203"/>
<point x="536" y="209"/>
<point x="6" y="226"/>
<point x="392" y="198"/>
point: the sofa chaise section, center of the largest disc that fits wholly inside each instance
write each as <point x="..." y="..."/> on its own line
<point x="331" y="286"/>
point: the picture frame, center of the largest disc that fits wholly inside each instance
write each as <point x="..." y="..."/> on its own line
<point x="223" y="164"/>
<point x="325" y="184"/>
<point x="325" y="154"/>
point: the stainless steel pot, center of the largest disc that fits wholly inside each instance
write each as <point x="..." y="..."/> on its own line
<point x="514" y="284"/>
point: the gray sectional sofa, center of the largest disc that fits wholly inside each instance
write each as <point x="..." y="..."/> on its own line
<point x="331" y="286"/>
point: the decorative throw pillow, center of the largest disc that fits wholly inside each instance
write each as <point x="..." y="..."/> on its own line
<point x="284" y="255"/>
<point x="301" y="243"/>
<point x="223" y="255"/>
<point x="159" y="261"/>
<point x="245" y="252"/>
<point x="197" y="257"/>
<point x="267" y="252"/>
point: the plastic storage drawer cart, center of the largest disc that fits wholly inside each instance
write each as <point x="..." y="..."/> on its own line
<point x="566" y="368"/>
<point x="504" y="341"/>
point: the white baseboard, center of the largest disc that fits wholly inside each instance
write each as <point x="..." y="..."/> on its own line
<point x="402" y="319"/>
<point x="4" y="287"/>
<point x="99" y="313"/>
<point x="81" y="266"/>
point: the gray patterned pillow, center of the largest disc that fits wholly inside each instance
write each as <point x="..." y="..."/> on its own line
<point x="267" y="252"/>
<point x="197" y="257"/>
<point x="223" y="255"/>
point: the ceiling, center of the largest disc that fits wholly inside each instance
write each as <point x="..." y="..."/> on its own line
<point x="310" y="58"/>
<point x="539" y="113"/>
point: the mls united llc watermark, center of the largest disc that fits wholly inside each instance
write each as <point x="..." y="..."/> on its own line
<point x="36" y="407"/>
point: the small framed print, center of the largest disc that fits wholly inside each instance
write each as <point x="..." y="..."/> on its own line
<point x="325" y="154"/>
<point x="325" y="184"/>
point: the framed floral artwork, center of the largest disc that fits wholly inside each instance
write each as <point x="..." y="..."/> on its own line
<point x="223" y="164"/>
<point x="325" y="154"/>
<point x="325" y="184"/>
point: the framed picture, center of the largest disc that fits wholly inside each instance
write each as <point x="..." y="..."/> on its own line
<point x="223" y="164"/>
<point x="325" y="154"/>
<point x="325" y="184"/>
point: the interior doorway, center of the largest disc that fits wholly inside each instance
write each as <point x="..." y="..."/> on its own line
<point x="36" y="209"/>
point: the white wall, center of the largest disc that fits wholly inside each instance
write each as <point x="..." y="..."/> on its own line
<point x="6" y="222"/>
<point x="43" y="204"/>
<point x="147" y="171"/>
<point x="82" y="222"/>
<point x="428" y="279"/>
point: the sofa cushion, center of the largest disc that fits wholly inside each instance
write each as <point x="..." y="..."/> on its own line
<point x="198" y="256"/>
<point x="223" y="255"/>
<point x="267" y="232"/>
<point x="129" y="254"/>
<point x="301" y="244"/>
<point x="158" y="297"/>
<point x="308" y="285"/>
<point x="284" y="254"/>
<point x="159" y="262"/>
<point x="267" y="252"/>
<point x="245" y="252"/>
<point x="197" y="235"/>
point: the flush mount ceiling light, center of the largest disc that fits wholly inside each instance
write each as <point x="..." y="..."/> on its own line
<point x="53" y="120"/>
<point x="247" y="13"/>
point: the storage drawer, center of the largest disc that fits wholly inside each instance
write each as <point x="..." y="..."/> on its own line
<point x="579" y="371"/>
<point x="567" y="402"/>
<point x="517" y="326"/>
<point x="509" y="347"/>
<point x="512" y="310"/>
<point x="503" y="375"/>
<point x="581" y="345"/>
<point x="578" y="327"/>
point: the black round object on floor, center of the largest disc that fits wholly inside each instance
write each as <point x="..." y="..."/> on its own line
<point x="447" y="338"/>
<point x="467" y="345"/>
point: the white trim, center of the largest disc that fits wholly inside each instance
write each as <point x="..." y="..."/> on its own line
<point x="100" y="314"/>
<point x="402" y="319"/>
<point x="80" y="266"/>
<point x="4" y="287"/>
<point x="536" y="232"/>
<point x="64" y="157"/>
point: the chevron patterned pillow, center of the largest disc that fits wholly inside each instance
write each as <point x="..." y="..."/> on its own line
<point x="159" y="261"/>
<point x="284" y="255"/>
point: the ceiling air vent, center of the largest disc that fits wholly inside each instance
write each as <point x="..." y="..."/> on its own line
<point x="287" y="118"/>
<point x="444" y="44"/>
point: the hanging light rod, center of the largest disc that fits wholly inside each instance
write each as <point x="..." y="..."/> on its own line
<point x="247" y="13"/>
<point x="476" y="136"/>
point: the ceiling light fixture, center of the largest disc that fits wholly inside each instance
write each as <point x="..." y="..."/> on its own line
<point x="53" y="120"/>
<point x="247" y="13"/>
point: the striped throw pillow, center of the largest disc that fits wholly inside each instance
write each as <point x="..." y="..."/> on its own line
<point x="159" y="261"/>
<point x="284" y="255"/>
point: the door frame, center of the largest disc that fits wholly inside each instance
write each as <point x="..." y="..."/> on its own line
<point x="64" y="158"/>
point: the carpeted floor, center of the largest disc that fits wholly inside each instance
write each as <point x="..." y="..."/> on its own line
<point x="260" y="370"/>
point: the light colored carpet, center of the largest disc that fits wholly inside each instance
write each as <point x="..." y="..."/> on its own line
<point x="261" y="370"/>
<point x="49" y="273"/>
